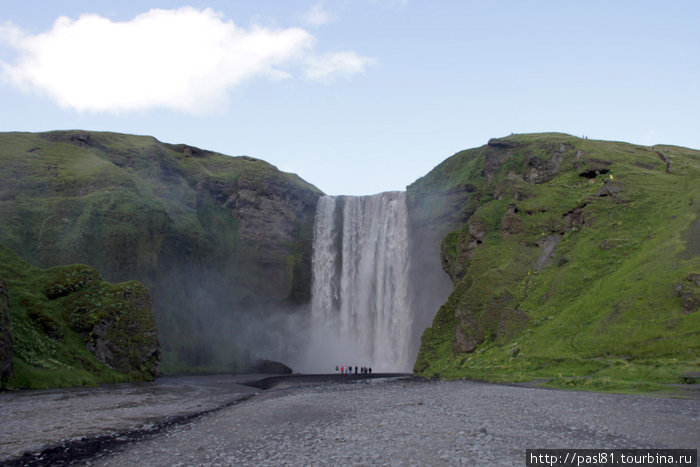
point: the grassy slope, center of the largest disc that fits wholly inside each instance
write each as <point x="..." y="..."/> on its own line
<point x="136" y="208"/>
<point x="137" y="178"/>
<point x="605" y="313"/>
<point x="50" y="334"/>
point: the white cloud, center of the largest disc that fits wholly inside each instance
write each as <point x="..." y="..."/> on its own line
<point x="184" y="59"/>
<point x="10" y="34"/>
<point x="344" y="64"/>
<point x="318" y="16"/>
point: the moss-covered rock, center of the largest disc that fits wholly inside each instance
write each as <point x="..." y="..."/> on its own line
<point x="118" y="325"/>
<point x="68" y="327"/>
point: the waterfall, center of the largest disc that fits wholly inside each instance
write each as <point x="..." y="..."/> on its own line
<point x="361" y="313"/>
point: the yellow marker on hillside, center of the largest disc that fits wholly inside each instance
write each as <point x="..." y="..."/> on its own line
<point x="611" y="177"/>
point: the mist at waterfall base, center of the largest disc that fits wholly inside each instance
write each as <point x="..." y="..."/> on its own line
<point x="364" y="308"/>
<point x="376" y="285"/>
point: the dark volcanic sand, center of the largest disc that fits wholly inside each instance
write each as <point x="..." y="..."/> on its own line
<point x="410" y="422"/>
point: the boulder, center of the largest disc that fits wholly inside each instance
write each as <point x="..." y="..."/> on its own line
<point x="468" y="333"/>
<point x="272" y="368"/>
<point x="124" y="336"/>
<point x="611" y="188"/>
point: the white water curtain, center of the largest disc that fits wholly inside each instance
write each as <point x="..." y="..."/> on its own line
<point x="361" y="313"/>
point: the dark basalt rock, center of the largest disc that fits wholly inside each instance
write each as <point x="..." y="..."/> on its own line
<point x="501" y="143"/>
<point x="272" y="368"/>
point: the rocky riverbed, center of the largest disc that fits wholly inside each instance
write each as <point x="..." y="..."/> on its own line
<point x="32" y="421"/>
<point x="410" y="422"/>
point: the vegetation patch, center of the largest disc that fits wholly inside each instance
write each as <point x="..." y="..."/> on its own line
<point x="68" y="327"/>
<point x="211" y="236"/>
<point x="577" y="265"/>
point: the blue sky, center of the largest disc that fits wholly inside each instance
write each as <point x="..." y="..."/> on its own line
<point x="356" y="97"/>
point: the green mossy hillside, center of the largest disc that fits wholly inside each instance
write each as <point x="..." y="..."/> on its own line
<point x="68" y="327"/>
<point x="210" y="235"/>
<point x="575" y="262"/>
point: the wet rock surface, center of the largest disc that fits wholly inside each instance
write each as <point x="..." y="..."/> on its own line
<point x="411" y="422"/>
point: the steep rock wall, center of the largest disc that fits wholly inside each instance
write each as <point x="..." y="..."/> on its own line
<point x="565" y="254"/>
<point x="211" y="236"/>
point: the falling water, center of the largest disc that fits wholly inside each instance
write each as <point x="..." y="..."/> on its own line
<point x="361" y="313"/>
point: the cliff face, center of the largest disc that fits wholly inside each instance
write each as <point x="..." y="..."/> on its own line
<point x="209" y="235"/>
<point x="570" y="260"/>
<point x="68" y="327"/>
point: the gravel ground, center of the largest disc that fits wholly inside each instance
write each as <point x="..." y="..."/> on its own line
<point x="409" y="422"/>
<point x="31" y="421"/>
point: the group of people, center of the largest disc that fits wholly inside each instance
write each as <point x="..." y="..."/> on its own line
<point x="347" y="370"/>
